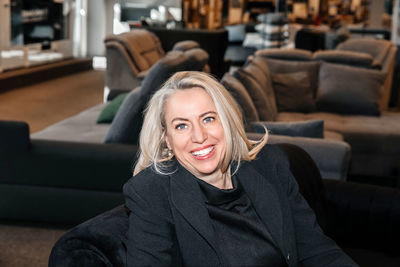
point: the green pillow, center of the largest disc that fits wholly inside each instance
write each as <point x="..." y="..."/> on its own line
<point x="108" y="113"/>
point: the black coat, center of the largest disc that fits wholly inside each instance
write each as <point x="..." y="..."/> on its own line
<point x="169" y="223"/>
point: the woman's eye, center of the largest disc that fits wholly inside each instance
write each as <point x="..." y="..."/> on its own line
<point x="209" y="119"/>
<point x="181" y="126"/>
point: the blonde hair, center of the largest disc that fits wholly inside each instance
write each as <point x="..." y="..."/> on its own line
<point x="153" y="150"/>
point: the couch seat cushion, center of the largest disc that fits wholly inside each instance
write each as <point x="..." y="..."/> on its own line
<point x="79" y="128"/>
<point x="375" y="141"/>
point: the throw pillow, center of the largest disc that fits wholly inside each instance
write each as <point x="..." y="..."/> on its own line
<point x="127" y="123"/>
<point x="293" y="92"/>
<point x="242" y="97"/>
<point x="312" y="128"/>
<point x="349" y="90"/>
<point x="108" y="113"/>
<point x="257" y="94"/>
<point x="286" y="66"/>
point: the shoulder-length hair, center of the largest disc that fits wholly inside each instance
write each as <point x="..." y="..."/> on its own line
<point x="153" y="150"/>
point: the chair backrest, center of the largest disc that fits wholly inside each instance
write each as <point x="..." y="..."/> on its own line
<point x="142" y="47"/>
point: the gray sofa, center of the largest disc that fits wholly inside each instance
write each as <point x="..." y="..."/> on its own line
<point x="347" y="90"/>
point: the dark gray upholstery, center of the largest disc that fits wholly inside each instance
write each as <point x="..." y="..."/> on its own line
<point x="311" y="128"/>
<point x="126" y="125"/>
<point x="383" y="53"/>
<point x="285" y="66"/>
<point x="293" y="92"/>
<point x="241" y="96"/>
<point x="373" y="139"/>
<point x="349" y="90"/>
<point x="259" y="85"/>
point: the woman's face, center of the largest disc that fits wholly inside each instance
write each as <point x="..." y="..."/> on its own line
<point x="194" y="131"/>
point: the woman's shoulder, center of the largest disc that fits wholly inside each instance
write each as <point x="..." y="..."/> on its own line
<point x="271" y="154"/>
<point x="148" y="180"/>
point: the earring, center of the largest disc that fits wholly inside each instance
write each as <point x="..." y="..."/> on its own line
<point x="170" y="153"/>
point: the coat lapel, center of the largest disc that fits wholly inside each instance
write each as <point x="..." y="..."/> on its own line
<point x="187" y="198"/>
<point x="265" y="201"/>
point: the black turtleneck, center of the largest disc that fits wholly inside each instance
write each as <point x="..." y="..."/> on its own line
<point x="242" y="238"/>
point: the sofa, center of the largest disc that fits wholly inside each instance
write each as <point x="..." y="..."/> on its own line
<point x="347" y="91"/>
<point x="362" y="219"/>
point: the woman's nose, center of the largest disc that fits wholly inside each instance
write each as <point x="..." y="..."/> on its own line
<point x="199" y="134"/>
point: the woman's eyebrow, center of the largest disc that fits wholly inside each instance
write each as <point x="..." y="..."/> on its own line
<point x="206" y="113"/>
<point x="201" y="115"/>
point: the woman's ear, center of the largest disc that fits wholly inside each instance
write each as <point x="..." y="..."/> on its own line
<point x="167" y="141"/>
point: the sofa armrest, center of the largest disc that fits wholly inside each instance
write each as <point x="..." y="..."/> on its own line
<point x="363" y="216"/>
<point x="332" y="157"/>
<point x="185" y="45"/>
<point x="14" y="136"/>
<point x="64" y="182"/>
<point x="96" y="242"/>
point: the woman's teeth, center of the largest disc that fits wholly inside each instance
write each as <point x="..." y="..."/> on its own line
<point x="203" y="152"/>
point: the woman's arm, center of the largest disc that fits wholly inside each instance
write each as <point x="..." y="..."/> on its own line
<point x="151" y="237"/>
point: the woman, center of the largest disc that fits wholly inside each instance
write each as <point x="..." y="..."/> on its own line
<point x="204" y="195"/>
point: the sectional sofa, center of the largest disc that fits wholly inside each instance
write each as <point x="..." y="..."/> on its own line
<point x="345" y="90"/>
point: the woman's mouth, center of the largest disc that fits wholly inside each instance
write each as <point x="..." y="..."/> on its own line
<point x="203" y="153"/>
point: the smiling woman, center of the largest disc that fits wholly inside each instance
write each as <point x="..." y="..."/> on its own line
<point x="204" y="195"/>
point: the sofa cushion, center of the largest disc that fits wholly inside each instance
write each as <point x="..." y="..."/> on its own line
<point x="293" y="92"/>
<point x="241" y="96"/>
<point x="345" y="57"/>
<point x="81" y="128"/>
<point x="125" y="127"/>
<point x="312" y="128"/>
<point x="349" y="90"/>
<point x="252" y="77"/>
<point x="285" y="54"/>
<point x="285" y="66"/>
<point x="108" y="113"/>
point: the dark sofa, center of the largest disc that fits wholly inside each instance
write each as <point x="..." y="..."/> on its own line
<point x="362" y="219"/>
<point x="60" y="180"/>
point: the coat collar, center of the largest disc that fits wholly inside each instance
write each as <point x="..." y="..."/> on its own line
<point x="187" y="198"/>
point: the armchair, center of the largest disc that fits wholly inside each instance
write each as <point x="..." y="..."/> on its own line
<point x="130" y="55"/>
<point x="362" y="219"/>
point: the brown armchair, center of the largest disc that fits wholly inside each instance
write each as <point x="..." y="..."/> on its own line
<point x="130" y="55"/>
